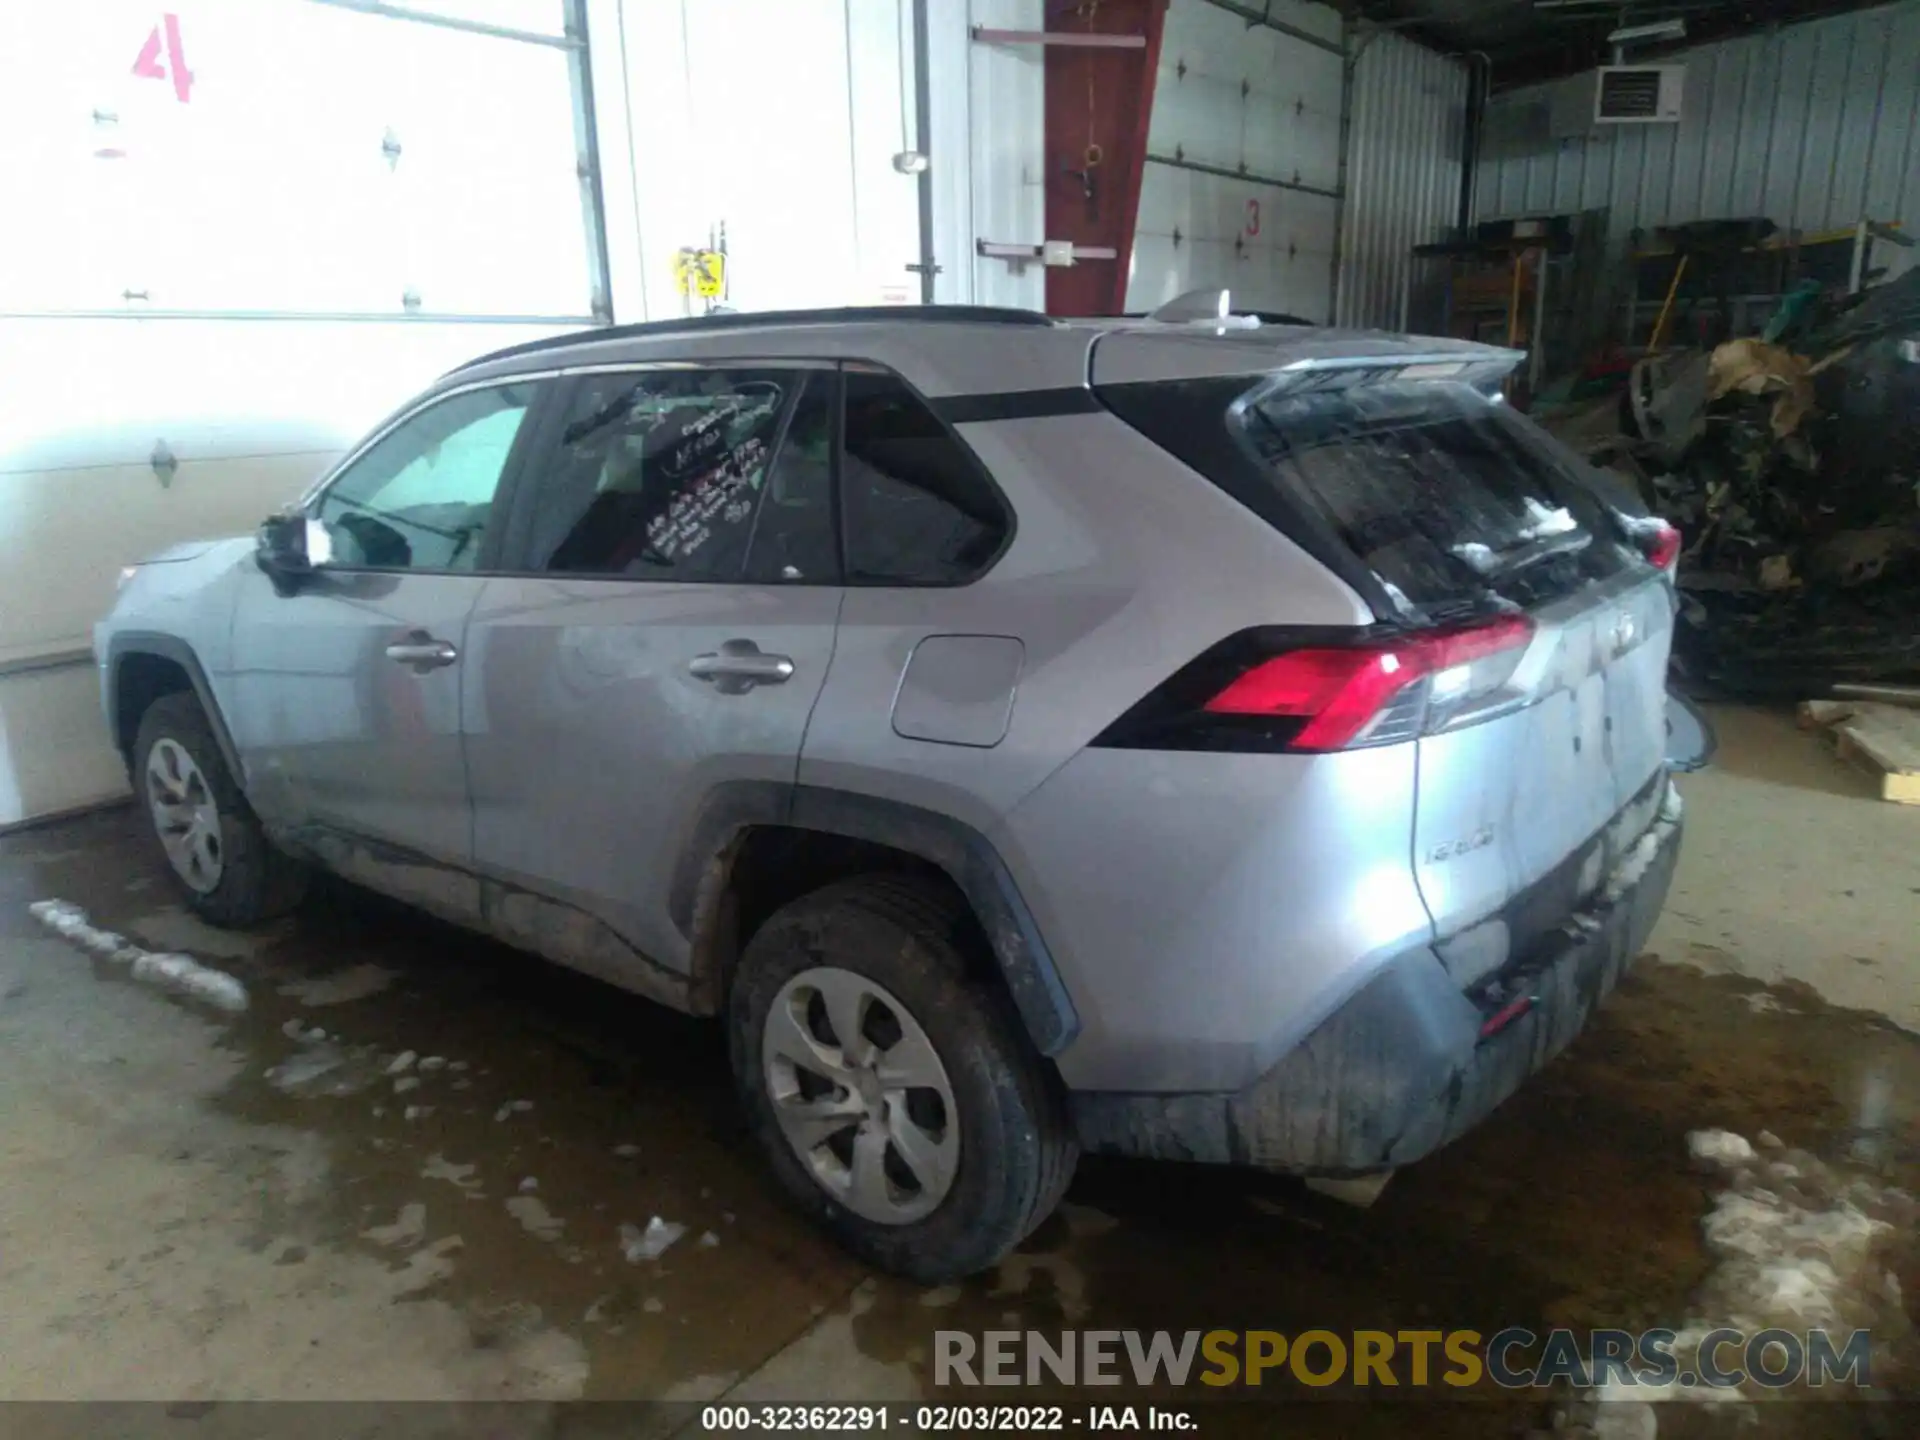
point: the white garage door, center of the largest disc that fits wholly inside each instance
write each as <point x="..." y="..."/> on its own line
<point x="287" y="155"/>
<point x="237" y="232"/>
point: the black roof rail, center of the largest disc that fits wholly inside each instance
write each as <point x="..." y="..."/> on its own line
<point x="759" y="319"/>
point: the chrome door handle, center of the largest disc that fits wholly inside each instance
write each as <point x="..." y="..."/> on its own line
<point x="420" y="652"/>
<point x="739" y="665"/>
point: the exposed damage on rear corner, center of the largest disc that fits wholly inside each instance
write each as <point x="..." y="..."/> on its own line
<point x="1791" y="463"/>
<point x="1410" y="1063"/>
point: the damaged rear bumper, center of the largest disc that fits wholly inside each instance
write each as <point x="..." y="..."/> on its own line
<point x="1407" y="1065"/>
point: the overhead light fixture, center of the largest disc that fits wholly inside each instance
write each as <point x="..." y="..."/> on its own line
<point x="1659" y="30"/>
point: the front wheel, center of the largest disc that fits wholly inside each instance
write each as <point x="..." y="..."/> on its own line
<point x="226" y="868"/>
<point x="895" y="1096"/>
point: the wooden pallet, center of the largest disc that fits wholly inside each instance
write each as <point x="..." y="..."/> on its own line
<point x="1883" y="739"/>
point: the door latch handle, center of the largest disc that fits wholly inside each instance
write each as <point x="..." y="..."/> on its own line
<point x="739" y="665"/>
<point x="420" y="652"/>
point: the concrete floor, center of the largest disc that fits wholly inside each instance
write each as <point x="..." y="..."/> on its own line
<point x="196" y="1209"/>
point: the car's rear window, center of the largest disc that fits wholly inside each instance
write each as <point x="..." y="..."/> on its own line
<point x="1446" y="497"/>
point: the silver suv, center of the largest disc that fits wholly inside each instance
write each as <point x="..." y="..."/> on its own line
<point x="1208" y="741"/>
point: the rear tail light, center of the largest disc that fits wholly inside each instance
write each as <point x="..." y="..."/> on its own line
<point x="1251" y="694"/>
<point x="1660" y="543"/>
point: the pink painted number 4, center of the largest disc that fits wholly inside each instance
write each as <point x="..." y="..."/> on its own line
<point x="149" y="66"/>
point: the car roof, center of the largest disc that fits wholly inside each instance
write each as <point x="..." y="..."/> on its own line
<point x="959" y="350"/>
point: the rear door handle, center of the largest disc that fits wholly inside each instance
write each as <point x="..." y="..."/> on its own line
<point x="739" y="665"/>
<point x="420" y="652"/>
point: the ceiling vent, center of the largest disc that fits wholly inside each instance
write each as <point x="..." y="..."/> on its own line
<point x="1638" y="94"/>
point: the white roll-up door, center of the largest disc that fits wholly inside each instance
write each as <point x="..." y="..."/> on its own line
<point x="237" y="232"/>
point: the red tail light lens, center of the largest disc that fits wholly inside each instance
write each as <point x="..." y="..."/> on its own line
<point x="1660" y="543"/>
<point x="1337" y="692"/>
<point x="1374" y="694"/>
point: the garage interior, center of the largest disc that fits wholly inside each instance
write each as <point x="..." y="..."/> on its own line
<point x="422" y="1166"/>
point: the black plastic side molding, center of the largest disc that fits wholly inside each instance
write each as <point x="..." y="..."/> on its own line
<point x="963" y="853"/>
<point x="169" y="647"/>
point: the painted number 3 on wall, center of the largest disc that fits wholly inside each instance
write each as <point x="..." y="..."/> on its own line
<point x="1253" y="218"/>
<point x="149" y="65"/>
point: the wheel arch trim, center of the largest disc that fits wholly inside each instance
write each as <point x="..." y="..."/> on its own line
<point x="966" y="856"/>
<point x="166" y="647"/>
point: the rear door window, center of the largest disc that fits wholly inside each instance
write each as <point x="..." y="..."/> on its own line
<point x="716" y="476"/>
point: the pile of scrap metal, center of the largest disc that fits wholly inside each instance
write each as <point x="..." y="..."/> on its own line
<point x="1791" y="463"/>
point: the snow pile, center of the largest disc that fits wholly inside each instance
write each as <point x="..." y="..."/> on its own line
<point x="179" y="974"/>
<point x="649" y="1244"/>
<point x="1796" y="1245"/>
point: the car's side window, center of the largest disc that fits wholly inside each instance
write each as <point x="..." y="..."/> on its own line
<point x="422" y="496"/>
<point x="683" y="474"/>
<point x="918" y="509"/>
<point x="795" y="540"/>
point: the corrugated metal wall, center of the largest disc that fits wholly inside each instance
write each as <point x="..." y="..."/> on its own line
<point x="1815" y="126"/>
<point x="1403" y="172"/>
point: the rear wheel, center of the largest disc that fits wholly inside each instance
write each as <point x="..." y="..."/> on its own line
<point x="895" y="1096"/>
<point x="225" y="866"/>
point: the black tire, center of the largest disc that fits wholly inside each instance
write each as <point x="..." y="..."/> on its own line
<point x="1017" y="1146"/>
<point x="257" y="880"/>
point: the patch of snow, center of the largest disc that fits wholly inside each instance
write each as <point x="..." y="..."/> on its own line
<point x="1477" y="556"/>
<point x="433" y="1062"/>
<point x="406" y="1083"/>
<point x="529" y="1185"/>
<point x="709" y="1241"/>
<point x="438" y="1167"/>
<point x="402" y="1063"/>
<point x="535" y="1218"/>
<point x="428" y="1265"/>
<point x="651" y="1243"/>
<point x="342" y="987"/>
<point x="456" y="1065"/>
<point x="511" y="1108"/>
<point x="1796" y="1245"/>
<point x="409" y="1228"/>
<point x="418" y="1112"/>
<point x="626" y="1152"/>
<point x="298" y="1073"/>
<point x="1636" y="862"/>
<point x="186" y="976"/>
<point x="179" y="974"/>
<point x="1547" y="521"/>
<point x="1719" y="1147"/>
<point x="654" y="1305"/>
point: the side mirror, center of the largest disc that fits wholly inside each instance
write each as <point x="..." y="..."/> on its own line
<point x="290" y="547"/>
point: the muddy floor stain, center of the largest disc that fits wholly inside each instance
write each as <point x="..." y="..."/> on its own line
<point x="1575" y="1205"/>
